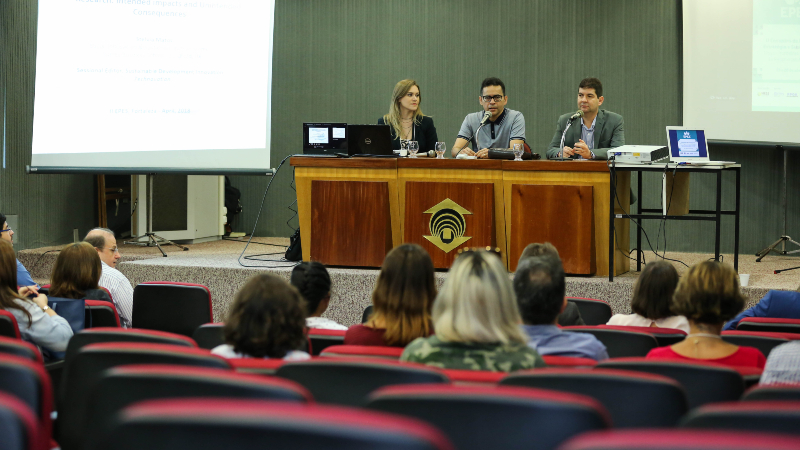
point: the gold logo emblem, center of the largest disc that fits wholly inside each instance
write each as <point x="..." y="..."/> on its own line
<point x="447" y="225"/>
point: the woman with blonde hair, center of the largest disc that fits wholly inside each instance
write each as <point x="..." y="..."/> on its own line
<point x="76" y="273"/>
<point x="405" y="118"/>
<point x="477" y="321"/>
<point x="708" y="295"/>
<point x="401" y="300"/>
<point x="38" y="323"/>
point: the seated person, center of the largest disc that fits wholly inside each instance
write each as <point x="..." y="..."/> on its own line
<point x="776" y="304"/>
<point x="476" y="321"/>
<point x="783" y="364"/>
<point x="405" y="118"/>
<point x="23" y="276"/>
<point x="540" y="286"/>
<point x="652" y="297"/>
<point x="38" y="323"/>
<point x="266" y="320"/>
<point x="314" y="284"/>
<point x="401" y="300"/>
<point x="571" y="315"/>
<point x="708" y="295"/>
<point x="76" y="273"/>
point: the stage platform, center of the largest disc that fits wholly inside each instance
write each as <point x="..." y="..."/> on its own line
<point x="216" y="265"/>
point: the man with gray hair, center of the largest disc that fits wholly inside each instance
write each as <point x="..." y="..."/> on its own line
<point x="103" y="240"/>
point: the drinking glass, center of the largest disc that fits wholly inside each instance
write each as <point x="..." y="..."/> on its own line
<point x="403" y="147"/>
<point x="518" y="149"/>
<point x="413" y="148"/>
<point x="440" y="148"/>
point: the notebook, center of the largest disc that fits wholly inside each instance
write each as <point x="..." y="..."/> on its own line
<point x="689" y="146"/>
<point x="371" y="140"/>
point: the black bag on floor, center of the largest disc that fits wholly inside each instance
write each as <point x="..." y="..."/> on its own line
<point x="295" y="250"/>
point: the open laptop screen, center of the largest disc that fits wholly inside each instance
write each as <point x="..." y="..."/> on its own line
<point x="687" y="145"/>
<point x="324" y="138"/>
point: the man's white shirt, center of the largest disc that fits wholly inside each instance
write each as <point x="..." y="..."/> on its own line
<point x="121" y="292"/>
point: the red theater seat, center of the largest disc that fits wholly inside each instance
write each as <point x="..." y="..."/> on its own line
<point x="366" y="351"/>
<point x="8" y="325"/>
<point x="322" y="339"/>
<point x="769" y="324"/>
<point x="256" y="365"/>
<point x="100" y="313"/>
<point x="761" y="392"/>
<point x="593" y="311"/>
<point x="568" y="361"/>
<point x="661" y="439"/>
<point x="209" y="335"/>
<point x="664" y="336"/>
<point x="621" y="342"/>
<point x="173" y="307"/>
<point x="766" y="416"/>
<point x="18" y="347"/>
<point x="28" y="382"/>
<point x="19" y="429"/>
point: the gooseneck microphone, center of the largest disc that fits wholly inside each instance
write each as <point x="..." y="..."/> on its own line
<point x="578" y="114"/>
<point x="486" y="116"/>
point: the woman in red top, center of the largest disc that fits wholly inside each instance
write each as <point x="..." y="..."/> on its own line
<point x="708" y="295"/>
<point x="401" y="300"/>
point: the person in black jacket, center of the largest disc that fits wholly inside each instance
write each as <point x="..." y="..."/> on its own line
<point x="406" y="119"/>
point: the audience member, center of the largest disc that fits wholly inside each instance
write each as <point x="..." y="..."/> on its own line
<point x="776" y="304"/>
<point x="652" y="297"/>
<point x="401" y="300"/>
<point x="708" y="295"/>
<point x="571" y="315"/>
<point x="37" y="322"/>
<point x="783" y="364"/>
<point x="76" y="273"/>
<point x="103" y="240"/>
<point x="314" y="284"/>
<point x="539" y="285"/>
<point x="23" y="276"/>
<point x="266" y="320"/>
<point x="476" y="321"/>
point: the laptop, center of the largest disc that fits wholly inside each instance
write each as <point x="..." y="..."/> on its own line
<point x="369" y="140"/>
<point x="689" y="146"/>
<point x="324" y="138"/>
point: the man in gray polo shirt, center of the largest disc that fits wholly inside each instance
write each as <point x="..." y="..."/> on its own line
<point x="503" y="128"/>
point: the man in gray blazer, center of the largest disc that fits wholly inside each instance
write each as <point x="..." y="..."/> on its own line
<point x="592" y="137"/>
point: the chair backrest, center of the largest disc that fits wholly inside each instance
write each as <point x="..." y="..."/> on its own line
<point x="766" y="416"/>
<point x="120" y="387"/>
<point x="322" y="339"/>
<point x="18" y="347"/>
<point x="620" y="343"/>
<point x="348" y="381"/>
<point x="634" y="399"/>
<point x="704" y="382"/>
<point x="769" y="324"/>
<point x="568" y="361"/>
<point x="28" y="381"/>
<point x="366" y="314"/>
<point x="783" y="391"/>
<point x="664" y="336"/>
<point x="763" y="343"/>
<point x="209" y="335"/>
<point x="169" y="306"/>
<point x="100" y="313"/>
<point x="8" y="325"/>
<point x="684" y="439"/>
<point x="463" y="377"/>
<point x="364" y="351"/>
<point x="19" y="429"/>
<point x="260" y="424"/>
<point x="86" y="367"/>
<point x="510" y="418"/>
<point x="593" y="311"/>
<point x="256" y="365"/>
<point x="113" y="334"/>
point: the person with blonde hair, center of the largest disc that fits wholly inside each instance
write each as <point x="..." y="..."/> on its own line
<point x="477" y="321"/>
<point x="405" y="118"/>
<point x="38" y="323"/>
<point x="76" y="273"/>
<point x="401" y="300"/>
<point x="708" y="295"/>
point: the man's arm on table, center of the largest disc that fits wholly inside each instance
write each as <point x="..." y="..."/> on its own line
<point x="554" y="149"/>
<point x="617" y="137"/>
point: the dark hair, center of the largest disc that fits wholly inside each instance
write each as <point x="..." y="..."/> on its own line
<point x="97" y="240"/>
<point x="313" y="282"/>
<point x="266" y="318"/>
<point x="592" y="83"/>
<point x="77" y="269"/>
<point x="8" y="280"/>
<point x="540" y="287"/>
<point x="546" y="249"/>
<point x="493" y="81"/>
<point x="708" y="293"/>
<point x="652" y="294"/>
<point x="404" y="294"/>
<point x="2" y="219"/>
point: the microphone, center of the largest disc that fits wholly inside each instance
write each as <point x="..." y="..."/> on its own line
<point x="486" y="115"/>
<point x="576" y="115"/>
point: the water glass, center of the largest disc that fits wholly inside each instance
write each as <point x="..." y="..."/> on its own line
<point x="518" y="149"/>
<point x="413" y="148"/>
<point x="440" y="148"/>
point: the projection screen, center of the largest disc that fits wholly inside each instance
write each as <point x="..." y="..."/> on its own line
<point x="138" y="86"/>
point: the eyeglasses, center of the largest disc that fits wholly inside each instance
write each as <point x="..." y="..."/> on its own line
<point x="488" y="98"/>
<point x="7" y="229"/>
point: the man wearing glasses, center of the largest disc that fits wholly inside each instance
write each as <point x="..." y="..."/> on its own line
<point x="103" y="240"/>
<point x="23" y="276"/>
<point x="504" y="127"/>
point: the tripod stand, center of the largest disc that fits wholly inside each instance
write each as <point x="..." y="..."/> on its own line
<point x="150" y="239"/>
<point x="784" y="199"/>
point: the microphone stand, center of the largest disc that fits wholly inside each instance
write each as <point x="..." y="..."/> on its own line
<point x="474" y="136"/>
<point x="564" y="136"/>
